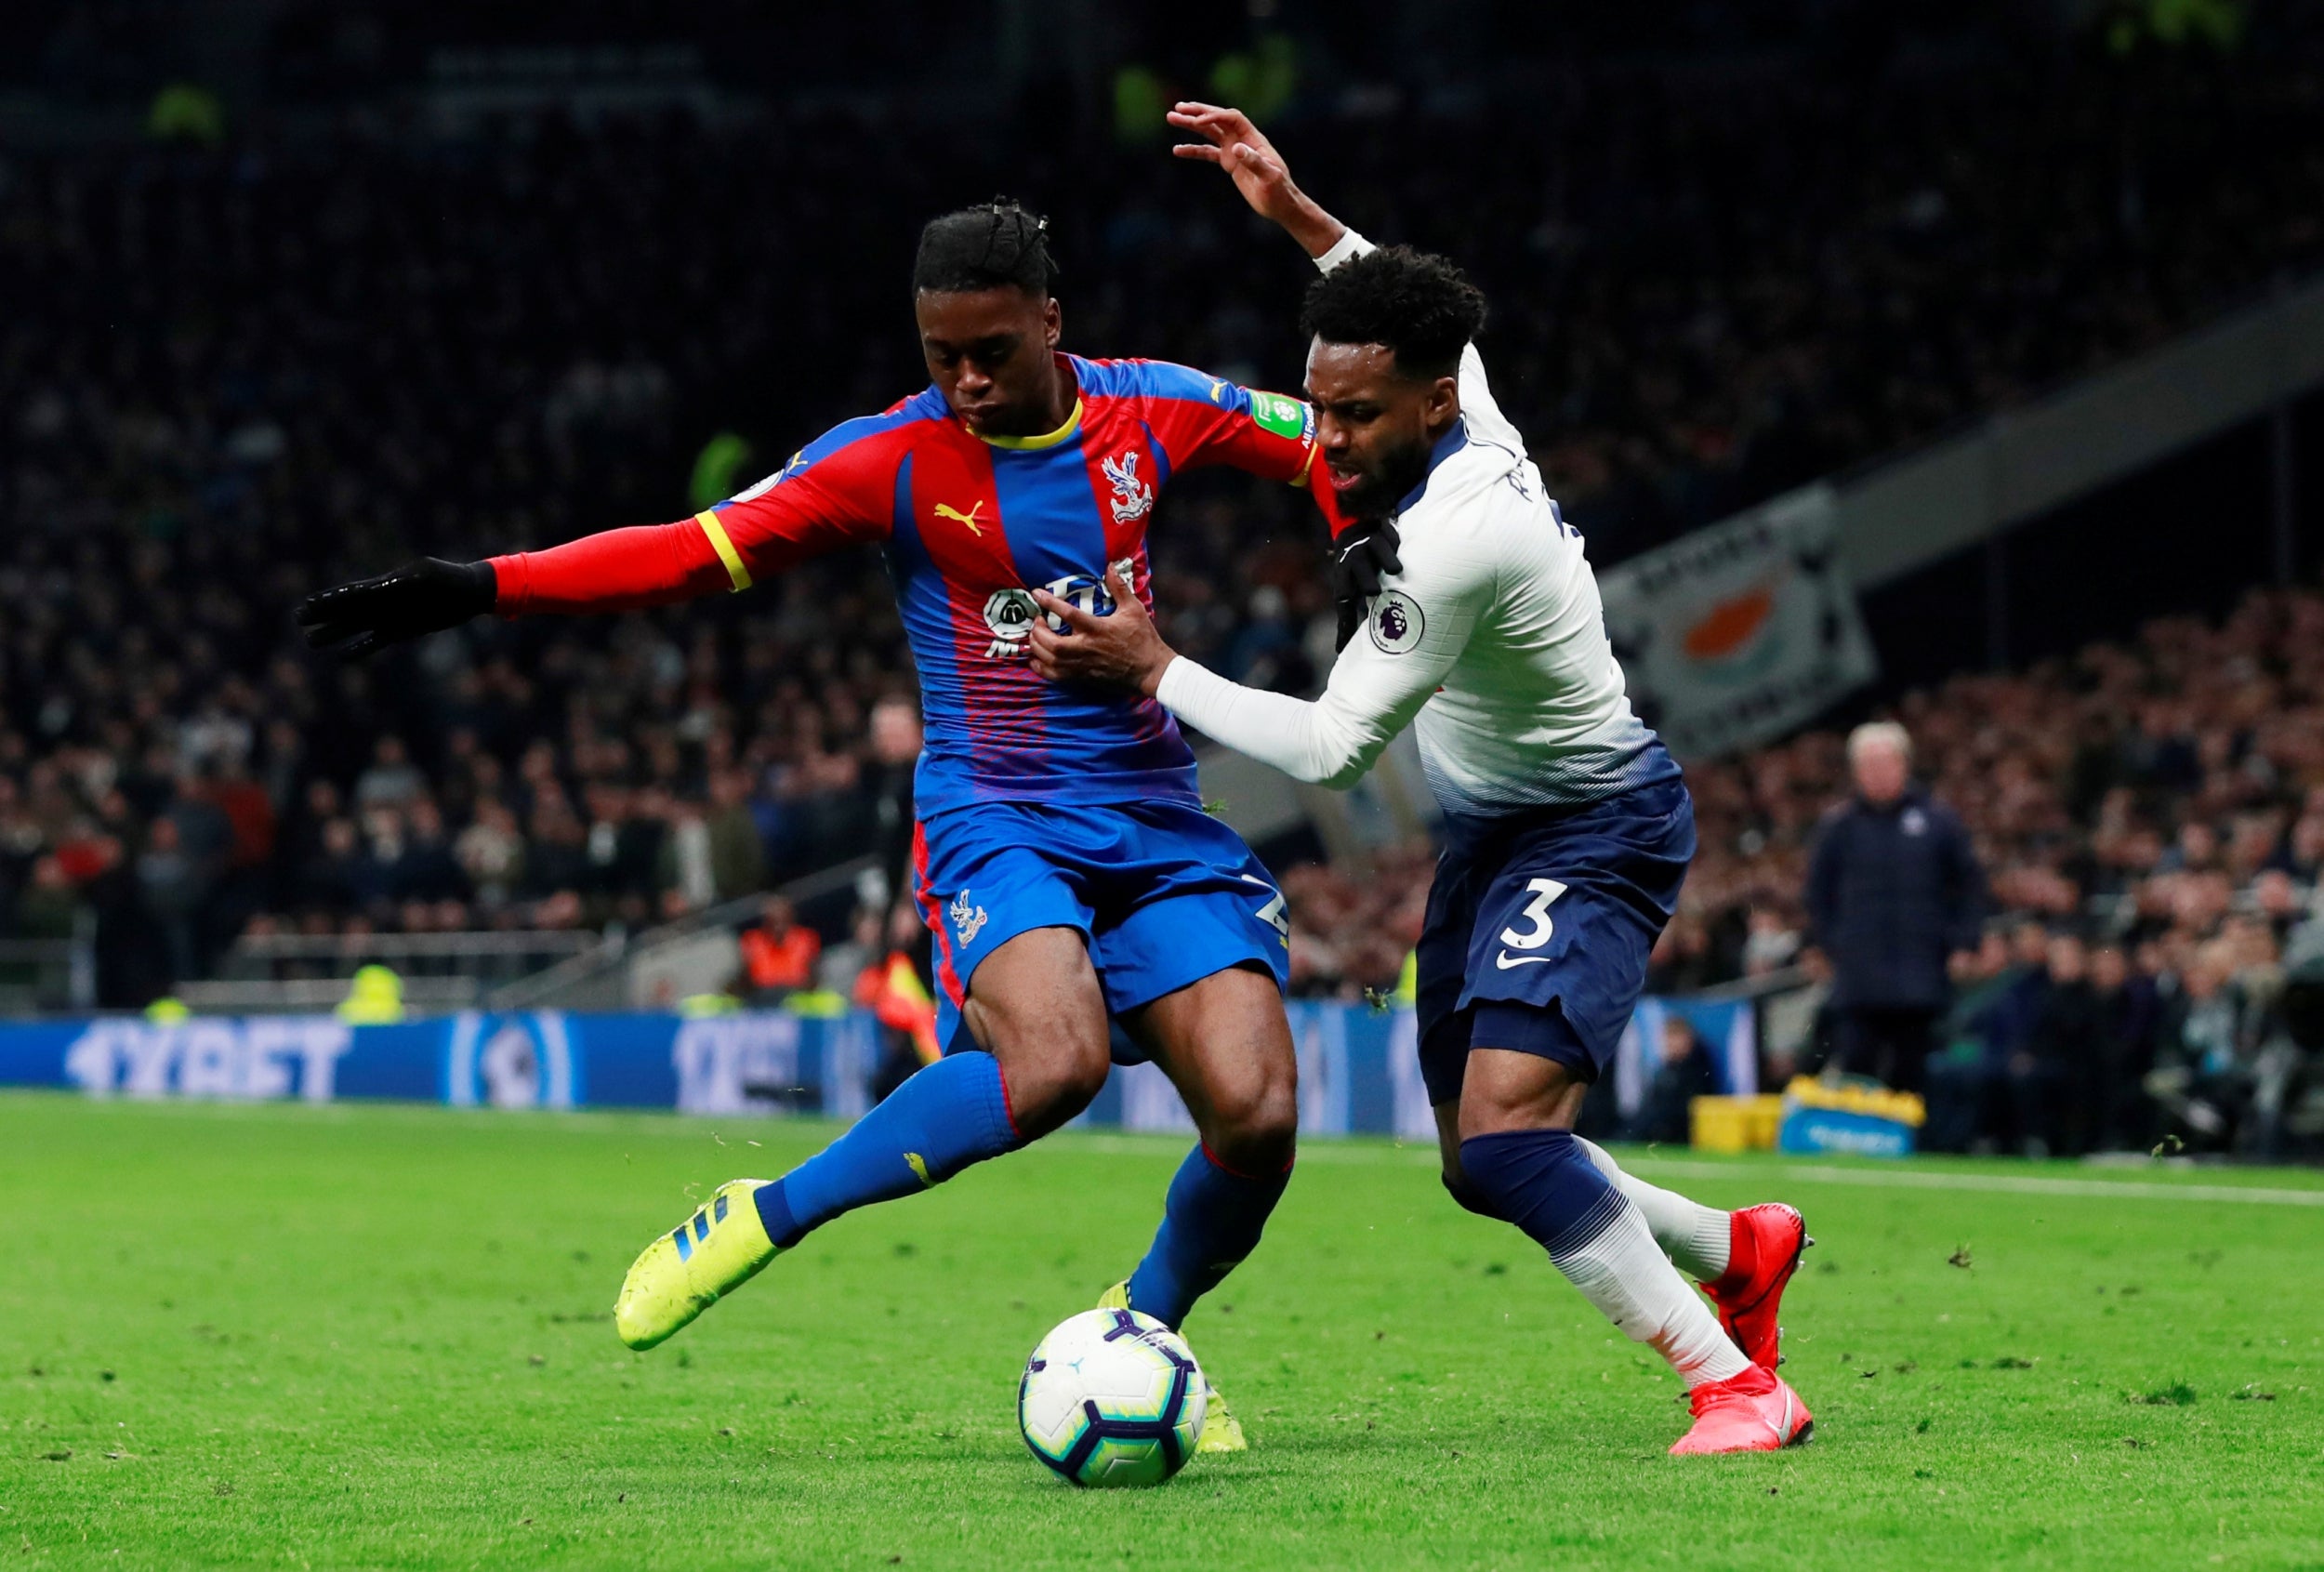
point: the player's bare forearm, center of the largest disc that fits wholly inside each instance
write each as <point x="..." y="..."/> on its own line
<point x="1233" y="144"/>
<point x="1125" y="649"/>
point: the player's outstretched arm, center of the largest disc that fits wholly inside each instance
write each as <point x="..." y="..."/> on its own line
<point x="1231" y="142"/>
<point x="613" y="571"/>
<point x="834" y="493"/>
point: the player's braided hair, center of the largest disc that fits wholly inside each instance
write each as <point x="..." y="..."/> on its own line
<point x="1417" y="304"/>
<point x="995" y="245"/>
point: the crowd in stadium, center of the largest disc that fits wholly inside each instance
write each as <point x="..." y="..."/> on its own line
<point x="262" y="368"/>
<point x="2150" y="820"/>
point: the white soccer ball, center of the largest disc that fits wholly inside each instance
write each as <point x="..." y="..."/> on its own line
<point x="1111" y="1398"/>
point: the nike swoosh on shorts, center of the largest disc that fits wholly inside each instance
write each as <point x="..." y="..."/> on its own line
<point x="1505" y="960"/>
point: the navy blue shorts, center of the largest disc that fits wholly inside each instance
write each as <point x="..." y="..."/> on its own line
<point x="1539" y="928"/>
<point x="1163" y="894"/>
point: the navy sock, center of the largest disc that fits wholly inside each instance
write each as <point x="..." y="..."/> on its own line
<point x="1211" y="1221"/>
<point x="949" y="1116"/>
<point x="1543" y="1182"/>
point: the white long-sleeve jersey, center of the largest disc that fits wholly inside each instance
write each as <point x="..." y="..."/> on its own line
<point x="1490" y="642"/>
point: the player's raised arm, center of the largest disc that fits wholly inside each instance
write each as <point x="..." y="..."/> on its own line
<point x="1387" y="340"/>
<point x="814" y="504"/>
<point x="1264" y="178"/>
<point x="1231" y="142"/>
<point x="1362" y="550"/>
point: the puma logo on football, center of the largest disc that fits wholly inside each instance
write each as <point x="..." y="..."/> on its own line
<point x="947" y="511"/>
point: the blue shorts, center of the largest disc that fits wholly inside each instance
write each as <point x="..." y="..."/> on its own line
<point x="1539" y="928"/>
<point x="1163" y="894"/>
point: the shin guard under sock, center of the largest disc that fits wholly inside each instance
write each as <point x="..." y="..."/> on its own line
<point x="1696" y="1236"/>
<point x="1210" y="1222"/>
<point x="1543" y="1182"/>
<point x="949" y="1116"/>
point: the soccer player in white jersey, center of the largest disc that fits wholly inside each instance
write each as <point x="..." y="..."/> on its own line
<point x="1568" y="828"/>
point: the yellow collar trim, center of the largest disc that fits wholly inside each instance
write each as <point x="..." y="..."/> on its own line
<point x="1072" y="424"/>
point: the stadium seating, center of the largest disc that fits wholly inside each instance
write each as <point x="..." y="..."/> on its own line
<point x="266" y="365"/>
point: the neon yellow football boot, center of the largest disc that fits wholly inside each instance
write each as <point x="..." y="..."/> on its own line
<point x="1221" y="1431"/>
<point x="688" y="1269"/>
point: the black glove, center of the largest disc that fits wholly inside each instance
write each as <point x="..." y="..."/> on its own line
<point x="1360" y="556"/>
<point x="418" y="597"/>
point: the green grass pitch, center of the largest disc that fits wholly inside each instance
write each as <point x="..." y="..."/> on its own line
<point x="284" y="1336"/>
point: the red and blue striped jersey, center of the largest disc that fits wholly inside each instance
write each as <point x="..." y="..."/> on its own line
<point x="971" y="525"/>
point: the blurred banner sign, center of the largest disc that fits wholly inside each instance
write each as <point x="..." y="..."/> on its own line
<point x="1740" y="632"/>
<point x="1359" y="1067"/>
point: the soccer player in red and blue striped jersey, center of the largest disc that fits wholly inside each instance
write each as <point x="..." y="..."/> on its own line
<point x="1063" y="859"/>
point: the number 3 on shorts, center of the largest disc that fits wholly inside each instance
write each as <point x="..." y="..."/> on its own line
<point x="1537" y="913"/>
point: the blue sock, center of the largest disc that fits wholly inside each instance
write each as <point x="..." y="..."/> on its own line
<point x="949" y="1114"/>
<point x="1544" y="1183"/>
<point x="1211" y="1221"/>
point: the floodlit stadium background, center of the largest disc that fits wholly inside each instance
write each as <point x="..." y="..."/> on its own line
<point x="1952" y="362"/>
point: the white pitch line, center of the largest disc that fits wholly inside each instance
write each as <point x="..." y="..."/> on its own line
<point x="1415" y="1155"/>
<point x="1318" y="1149"/>
<point x="2017" y="1185"/>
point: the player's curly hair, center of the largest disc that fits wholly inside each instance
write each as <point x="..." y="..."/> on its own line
<point x="997" y="244"/>
<point x="1417" y="304"/>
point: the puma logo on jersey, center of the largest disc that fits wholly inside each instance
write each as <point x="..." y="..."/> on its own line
<point x="947" y="511"/>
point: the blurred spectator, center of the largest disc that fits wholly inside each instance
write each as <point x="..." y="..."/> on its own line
<point x="174" y="887"/>
<point x="1894" y="892"/>
<point x="2206" y="1049"/>
<point x="2127" y="1007"/>
<point x="1770" y="943"/>
<point x="1684" y="1071"/>
<point x="897" y="738"/>
<point x="737" y="858"/>
<point x="1681" y="960"/>
<point x="425" y="868"/>
<point x="557" y="861"/>
<point x="843" y="964"/>
<point x="491" y="853"/>
<point x="392" y="778"/>
<point x="2054" y="1077"/>
<point x="778" y="953"/>
<point x="1985" y="1034"/>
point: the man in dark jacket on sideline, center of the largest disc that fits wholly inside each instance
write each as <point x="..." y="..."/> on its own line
<point x="1893" y="891"/>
